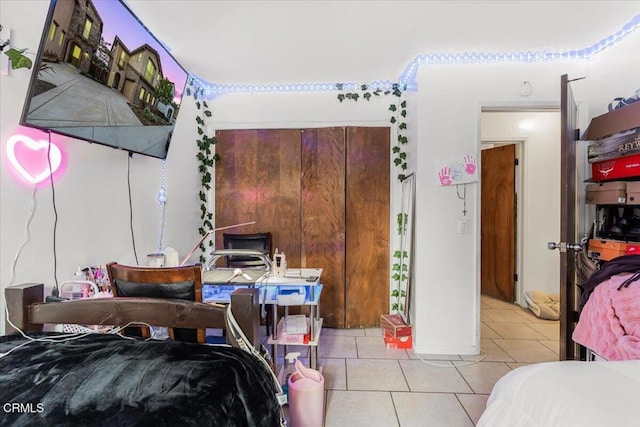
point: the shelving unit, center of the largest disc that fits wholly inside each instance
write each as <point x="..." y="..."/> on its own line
<point x="615" y="156"/>
<point x="216" y="288"/>
<point x="313" y="344"/>
<point x="315" y="326"/>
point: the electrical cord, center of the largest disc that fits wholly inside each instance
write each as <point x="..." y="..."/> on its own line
<point x="133" y="238"/>
<point x="55" y="290"/>
<point x="27" y="238"/>
<point x="243" y="343"/>
<point x="64" y="338"/>
<point x="483" y="355"/>
<point x="12" y="270"/>
<point x="71" y="336"/>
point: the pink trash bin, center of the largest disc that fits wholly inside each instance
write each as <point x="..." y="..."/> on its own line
<point x="306" y="397"/>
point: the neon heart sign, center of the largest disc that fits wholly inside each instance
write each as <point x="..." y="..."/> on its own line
<point x="29" y="157"/>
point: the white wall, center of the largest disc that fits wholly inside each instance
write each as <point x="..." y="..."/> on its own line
<point x="91" y="194"/>
<point x="450" y="100"/>
<point x="539" y="202"/>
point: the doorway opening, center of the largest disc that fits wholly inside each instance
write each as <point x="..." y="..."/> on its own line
<point x="530" y="141"/>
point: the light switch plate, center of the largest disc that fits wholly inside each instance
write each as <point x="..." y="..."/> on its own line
<point x="463" y="226"/>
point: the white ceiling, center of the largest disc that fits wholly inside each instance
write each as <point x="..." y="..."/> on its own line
<point x="263" y="42"/>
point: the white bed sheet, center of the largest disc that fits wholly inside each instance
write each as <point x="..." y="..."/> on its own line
<point x="569" y="393"/>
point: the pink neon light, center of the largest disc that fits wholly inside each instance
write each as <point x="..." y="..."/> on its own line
<point x="29" y="157"/>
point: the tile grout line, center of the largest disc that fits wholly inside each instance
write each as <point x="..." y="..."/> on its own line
<point x="393" y="402"/>
<point x="464" y="408"/>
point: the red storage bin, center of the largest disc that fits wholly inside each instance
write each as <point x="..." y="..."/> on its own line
<point x="623" y="167"/>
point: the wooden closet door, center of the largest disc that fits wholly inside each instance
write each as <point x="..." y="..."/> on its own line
<point x="324" y="194"/>
<point x="258" y="179"/>
<point x="367" y="225"/>
<point x="323" y="216"/>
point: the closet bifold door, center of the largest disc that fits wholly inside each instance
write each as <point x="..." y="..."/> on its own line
<point x="323" y="216"/>
<point x="258" y="179"/>
<point x="324" y="195"/>
<point x="367" y="224"/>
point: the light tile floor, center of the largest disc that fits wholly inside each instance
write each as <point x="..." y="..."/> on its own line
<point x="368" y="385"/>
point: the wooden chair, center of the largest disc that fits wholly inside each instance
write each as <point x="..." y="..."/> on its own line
<point x="181" y="283"/>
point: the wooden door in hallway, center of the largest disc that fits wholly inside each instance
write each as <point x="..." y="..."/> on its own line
<point x="498" y="222"/>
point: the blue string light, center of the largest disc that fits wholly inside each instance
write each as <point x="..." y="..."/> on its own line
<point x="407" y="79"/>
<point x="212" y="89"/>
<point x="409" y="74"/>
<point x="162" y="202"/>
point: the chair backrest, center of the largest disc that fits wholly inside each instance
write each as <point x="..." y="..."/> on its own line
<point x="184" y="283"/>
<point x="257" y="241"/>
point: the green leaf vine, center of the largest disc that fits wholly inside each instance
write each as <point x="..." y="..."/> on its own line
<point x="398" y="109"/>
<point x="206" y="160"/>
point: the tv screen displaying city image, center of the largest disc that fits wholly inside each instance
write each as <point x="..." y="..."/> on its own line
<point x="101" y="76"/>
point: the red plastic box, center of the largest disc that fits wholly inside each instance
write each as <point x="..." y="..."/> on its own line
<point x="632" y="249"/>
<point x="622" y="167"/>
<point x="402" y="343"/>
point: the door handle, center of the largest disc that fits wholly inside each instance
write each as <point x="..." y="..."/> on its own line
<point x="564" y="246"/>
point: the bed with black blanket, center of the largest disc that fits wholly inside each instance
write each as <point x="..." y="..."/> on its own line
<point x="106" y="379"/>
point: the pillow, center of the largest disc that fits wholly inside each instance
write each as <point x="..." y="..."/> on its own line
<point x="543" y="305"/>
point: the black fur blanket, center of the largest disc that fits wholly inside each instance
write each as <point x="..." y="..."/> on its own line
<point x="108" y="380"/>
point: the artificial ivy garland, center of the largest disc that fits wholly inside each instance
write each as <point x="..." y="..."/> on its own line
<point x="206" y="160"/>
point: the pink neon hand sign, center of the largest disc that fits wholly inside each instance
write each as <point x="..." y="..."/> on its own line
<point x="29" y="157"/>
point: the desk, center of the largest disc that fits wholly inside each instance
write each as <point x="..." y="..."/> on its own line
<point x="216" y="288"/>
<point x="219" y="287"/>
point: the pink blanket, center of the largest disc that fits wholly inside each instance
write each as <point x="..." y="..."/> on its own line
<point x="610" y="320"/>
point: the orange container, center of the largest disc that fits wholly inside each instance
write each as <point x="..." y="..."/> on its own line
<point x="606" y="250"/>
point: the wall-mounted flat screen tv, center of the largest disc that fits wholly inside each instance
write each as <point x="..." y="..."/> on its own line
<point x="101" y="76"/>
